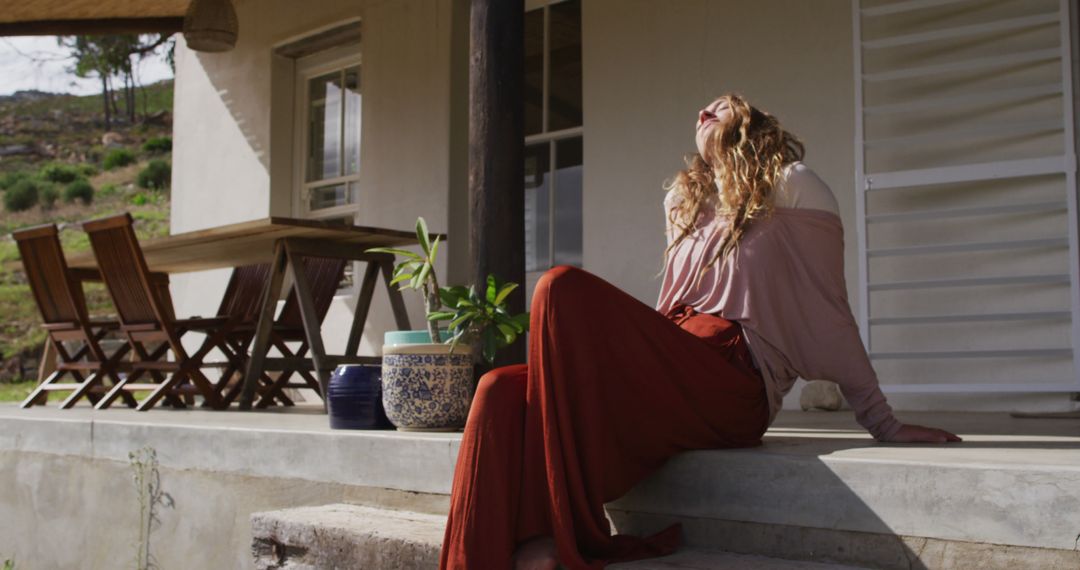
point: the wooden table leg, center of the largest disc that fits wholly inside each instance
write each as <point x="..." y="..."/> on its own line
<point x="312" y="327"/>
<point x="363" y="303"/>
<point x="397" y="303"/>
<point x="261" y="344"/>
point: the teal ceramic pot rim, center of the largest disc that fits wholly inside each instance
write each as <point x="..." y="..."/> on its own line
<point x="409" y="337"/>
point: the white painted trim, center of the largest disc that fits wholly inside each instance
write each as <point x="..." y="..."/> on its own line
<point x="987" y="130"/>
<point x="963" y="31"/>
<point x="968" y="172"/>
<point x="1051" y="279"/>
<point x="967" y="65"/>
<point x="967" y="99"/>
<point x="963" y="247"/>
<point x="1025" y="208"/>
<point x="908" y="6"/>
<point x="1065" y="25"/>
<point x="862" y="183"/>
<point x="1027" y="387"/>
<point x="986" y="317"/>
<point x="954" y="354"/>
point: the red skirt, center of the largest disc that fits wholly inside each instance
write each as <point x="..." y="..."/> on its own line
<point x="612" y="389"/>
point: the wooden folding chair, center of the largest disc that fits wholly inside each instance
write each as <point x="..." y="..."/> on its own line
<point x="59" y="296"/>
<point x="241" y="304"/>
<point x="324" y="274"/>
<point x="147" y="319"/>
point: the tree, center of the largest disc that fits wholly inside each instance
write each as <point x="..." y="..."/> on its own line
<point x="111" y="57"/>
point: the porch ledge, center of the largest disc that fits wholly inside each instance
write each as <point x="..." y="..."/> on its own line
<point x="819" y="487"/>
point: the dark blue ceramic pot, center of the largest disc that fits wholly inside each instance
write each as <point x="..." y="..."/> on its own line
<point x="354" y="398"/>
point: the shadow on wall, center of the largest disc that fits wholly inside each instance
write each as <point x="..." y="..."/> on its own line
<point x="228" y="81"/>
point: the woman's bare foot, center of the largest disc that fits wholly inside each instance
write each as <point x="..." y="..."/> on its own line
<point x="536" y="554"/>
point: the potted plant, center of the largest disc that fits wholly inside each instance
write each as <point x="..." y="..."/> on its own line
<point x="427" y="380"/>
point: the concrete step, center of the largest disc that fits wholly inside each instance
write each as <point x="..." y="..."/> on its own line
<point x="351" y="536"/>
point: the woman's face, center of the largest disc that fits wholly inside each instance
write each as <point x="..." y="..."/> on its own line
<point x="715" y="115"/>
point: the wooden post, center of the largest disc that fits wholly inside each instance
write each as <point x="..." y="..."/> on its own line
<point x="497" y="149"/>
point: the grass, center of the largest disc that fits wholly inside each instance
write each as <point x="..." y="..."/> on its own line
<point x="16" y="392"/>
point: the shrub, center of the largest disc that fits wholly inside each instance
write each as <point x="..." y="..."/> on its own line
<point x="139" y="199"/>
<point x="155" y="176"/>
<point x="87" y="169"/>
<point x="157" y="145"/>
<point x="118" y="157"/>
<point x="79" y="190"/>
<point x="22" y="196"/>
<point x="47" y="196"/>
<point x="11" y="178"/>
<point x="60" y="173"/>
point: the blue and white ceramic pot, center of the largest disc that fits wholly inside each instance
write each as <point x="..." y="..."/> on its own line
<point x="426" y="387"/>
<point x="354" y="398"/>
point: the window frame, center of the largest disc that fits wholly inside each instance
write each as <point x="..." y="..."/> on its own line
<point x="308" y="68"/>
<point x="551" y="138"/>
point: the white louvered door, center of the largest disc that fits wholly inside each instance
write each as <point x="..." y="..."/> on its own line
<point x="966" y="204"/>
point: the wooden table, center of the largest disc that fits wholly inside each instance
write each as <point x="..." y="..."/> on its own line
<point x="284" y="243"/>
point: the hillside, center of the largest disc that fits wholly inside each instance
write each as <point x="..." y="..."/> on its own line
<point x="48" y="144"/>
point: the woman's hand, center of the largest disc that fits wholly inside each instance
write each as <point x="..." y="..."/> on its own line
<point x="910" y="433"/>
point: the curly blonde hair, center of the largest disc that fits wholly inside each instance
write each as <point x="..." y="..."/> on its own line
<point x="737" y="177"/>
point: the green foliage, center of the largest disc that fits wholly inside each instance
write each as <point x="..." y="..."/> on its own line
<point x="47" y="196"/>
<point x="22" y="196"/>
<point x="79" y="190"/>
<point x="9" y="179"/>
<point x="417" y="272"/>
<point x="155" y="176"/>
<point x="9" y="564"/>
<point x="87" y="169"/>
<point x="117" y="158"/>
<point x="484" y="318"/>
<point x="139" y="199"/>
<point x="59" y="173"/>
<point x="158" y="145"/>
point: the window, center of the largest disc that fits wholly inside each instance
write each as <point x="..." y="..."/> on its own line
<point x="328" y="117"/>
<point x="553" y="135"/>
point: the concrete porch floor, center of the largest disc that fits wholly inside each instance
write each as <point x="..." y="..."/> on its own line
<point x="819" y="489"/>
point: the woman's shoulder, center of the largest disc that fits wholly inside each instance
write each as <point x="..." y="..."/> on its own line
<point x="801" y="187"/>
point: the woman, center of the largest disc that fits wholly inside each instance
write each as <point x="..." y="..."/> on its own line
<point x="753" y="296"/>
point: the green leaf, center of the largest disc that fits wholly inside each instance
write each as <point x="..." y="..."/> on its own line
<point x="504" y="293"/>
<point x="509" y="334"/>
<point x="460" y="319"/>
<point x="449" y="296"/>
<point x="522" y="320"/>
<point x="424" y="271"/>
<point x="490" y="345"/>
<point x="394" y="251"/>
<point x="422" y="236"/>
<point x="492" y="288"/>
<point x="440" y="316"/>
<point x="401" y="277"/>
<point x="434" y="250"/>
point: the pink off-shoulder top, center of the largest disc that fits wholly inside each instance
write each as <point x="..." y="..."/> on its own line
<point x="785" y="285"/>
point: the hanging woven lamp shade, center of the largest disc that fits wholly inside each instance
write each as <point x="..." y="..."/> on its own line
<point x="210" y="25"/>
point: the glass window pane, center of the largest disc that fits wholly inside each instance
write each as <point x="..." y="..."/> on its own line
<point x="537" y="204"/>
<point x="564" y="82"/>
<point x="568" y="187"/>
<point x="333" y="195"/>
<point x="324" y="127"/>
<point x="352" y="120"/>
<point x="534" y="71"/>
